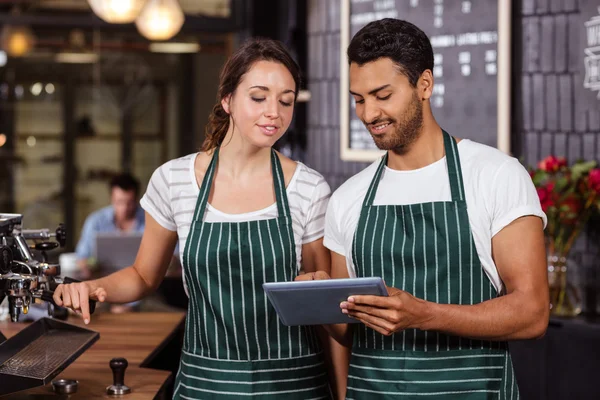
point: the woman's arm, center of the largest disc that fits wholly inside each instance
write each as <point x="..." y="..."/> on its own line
<point x="316" y="260"/>
<point x="129" y="284"/>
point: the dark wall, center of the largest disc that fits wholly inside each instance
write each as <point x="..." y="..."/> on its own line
<point x="552" y="113"/>
<point x="323" y="147"/>
<point x="555" y="113"/>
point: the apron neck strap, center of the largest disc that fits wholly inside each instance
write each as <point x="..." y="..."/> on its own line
<point x="278" y="182"/>
<point x="454" y="172"/>
<point x="283" y="207"/>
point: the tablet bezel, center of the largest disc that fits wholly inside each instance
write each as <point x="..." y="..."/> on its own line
<point x="313" y="290"/>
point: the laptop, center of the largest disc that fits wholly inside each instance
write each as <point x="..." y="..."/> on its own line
<point x="116" y="250"/>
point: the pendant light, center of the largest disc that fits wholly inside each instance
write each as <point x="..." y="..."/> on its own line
<point x="17" y="40"/>
<point x="117" y="11"/>
<point x="160" y="19"/>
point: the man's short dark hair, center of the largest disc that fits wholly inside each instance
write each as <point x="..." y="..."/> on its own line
<point x="125" y="182"/>
<point x="405" y="44"/>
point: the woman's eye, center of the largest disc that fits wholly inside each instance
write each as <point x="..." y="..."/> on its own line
<point x="283" y="103"/>
<point x="359" y="101"/>
<point x="258" y="100"/>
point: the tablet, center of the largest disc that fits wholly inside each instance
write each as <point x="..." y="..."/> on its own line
<point x="318" y="302"/>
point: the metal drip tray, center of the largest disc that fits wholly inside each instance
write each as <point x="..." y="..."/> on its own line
<point x="40" y="352"/>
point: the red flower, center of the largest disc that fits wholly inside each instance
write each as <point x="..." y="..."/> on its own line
<point x="574" y="207"/>
<point x="546" y="200"/>
<point x="594" y="179"/>
<point x="552" y="163"/>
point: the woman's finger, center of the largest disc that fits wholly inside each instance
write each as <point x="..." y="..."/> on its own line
<point x="57" y="296"/>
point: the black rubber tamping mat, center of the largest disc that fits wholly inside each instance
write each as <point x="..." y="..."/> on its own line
<point x="38" y="353"/>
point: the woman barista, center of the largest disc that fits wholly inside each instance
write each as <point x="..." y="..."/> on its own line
<point x="238" y="226"/>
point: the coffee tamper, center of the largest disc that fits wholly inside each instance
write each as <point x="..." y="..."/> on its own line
<point x="118" y="366"/>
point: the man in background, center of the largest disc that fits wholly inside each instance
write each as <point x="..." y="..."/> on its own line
<point x="122" y="215"/>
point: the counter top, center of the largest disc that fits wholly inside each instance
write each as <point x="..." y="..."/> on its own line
<point x="134" y="336"/>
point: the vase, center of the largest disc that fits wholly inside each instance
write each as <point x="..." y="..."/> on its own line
<point x="565" y="297"/>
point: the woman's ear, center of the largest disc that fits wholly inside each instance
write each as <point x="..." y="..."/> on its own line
<point x="225" y="103"/>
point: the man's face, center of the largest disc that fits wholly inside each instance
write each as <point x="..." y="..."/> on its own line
<point x="124" y="203"/>
<point x="387" y="104"/>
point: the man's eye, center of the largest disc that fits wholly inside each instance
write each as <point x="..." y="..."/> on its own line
<point x="385" y="97"/>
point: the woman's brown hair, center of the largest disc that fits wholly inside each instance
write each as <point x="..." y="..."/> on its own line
<point x="233" y="71"/>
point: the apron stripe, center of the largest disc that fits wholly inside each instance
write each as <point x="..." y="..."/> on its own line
<point x="459" y="392"/>
<point x="231" y="294"/>
<point x="403" y="270"/>
<point x="221" y="310"/>
<point x="276" y="279"/>
<point x="382" y="274"/>
<point x="254" y="307"/>
<point x="240" y="267"/>
<point x="265" y="301"/>
<point x="392" y="247"/>
<point x="413" y="237"/>
<point x="437" y="271"/>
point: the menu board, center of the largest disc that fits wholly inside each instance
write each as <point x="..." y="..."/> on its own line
<point x="464" y="36"/>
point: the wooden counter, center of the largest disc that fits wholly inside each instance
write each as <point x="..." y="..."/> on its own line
<point x="134" y="336"/>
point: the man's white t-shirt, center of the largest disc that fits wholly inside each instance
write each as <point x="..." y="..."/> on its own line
<point x="498" y="190"/>
<point x="173" y="192"/>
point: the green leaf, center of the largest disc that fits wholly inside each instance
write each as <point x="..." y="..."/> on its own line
<point x="581" y="168"/>
<point x="539" y="177"/>
<point x="561" y="184"/>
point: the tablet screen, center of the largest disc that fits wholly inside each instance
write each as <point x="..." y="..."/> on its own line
<point x="318" y="302"/>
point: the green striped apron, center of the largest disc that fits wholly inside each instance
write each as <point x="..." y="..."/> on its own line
<point x="427" y="250"/>
<point x="234" y="344"/>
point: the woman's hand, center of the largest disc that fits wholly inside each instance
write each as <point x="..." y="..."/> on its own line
<point x="313" y="276"/>
<point x="76" y="296"/>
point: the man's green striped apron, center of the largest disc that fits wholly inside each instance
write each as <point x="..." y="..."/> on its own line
<point x="234" y="345"/>
<point x="427" y="250"/>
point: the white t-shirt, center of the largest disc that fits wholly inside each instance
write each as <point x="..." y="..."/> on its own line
<point x="173" y="191"/>
<point x="498" y="190"/>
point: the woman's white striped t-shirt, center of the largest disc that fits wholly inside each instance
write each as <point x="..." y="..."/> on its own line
<point x="173" y="191"/>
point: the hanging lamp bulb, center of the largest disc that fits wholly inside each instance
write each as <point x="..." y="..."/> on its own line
<point x="117" y="11"/>
<point x="17" y="40"/>
<point x="160" y="19"/>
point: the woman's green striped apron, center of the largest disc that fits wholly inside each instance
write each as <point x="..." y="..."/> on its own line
<point x="427" y="250"/>
<point x="234" y="345"/>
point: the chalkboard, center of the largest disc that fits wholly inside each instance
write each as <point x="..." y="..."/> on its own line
<point x="587" y="88"/>
<point x="471" y="64"/>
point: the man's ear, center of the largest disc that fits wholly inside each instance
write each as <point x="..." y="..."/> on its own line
<point x="225" y="103"/>
<point x="425" y="84"/>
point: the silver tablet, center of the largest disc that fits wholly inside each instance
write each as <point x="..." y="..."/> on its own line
<point x="318" y="302"/>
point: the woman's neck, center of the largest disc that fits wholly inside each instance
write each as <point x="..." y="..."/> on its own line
<point x="239" y="159"/>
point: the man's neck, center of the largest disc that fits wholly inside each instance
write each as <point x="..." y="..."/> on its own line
<point x="126" y="225"/>
<point x="427" y="149"/>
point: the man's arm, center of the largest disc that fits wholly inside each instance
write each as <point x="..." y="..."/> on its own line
<point x="522" y="313"/>
<point x="84" y="246"/>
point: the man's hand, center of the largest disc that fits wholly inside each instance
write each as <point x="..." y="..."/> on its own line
<point x="387" y="315"/>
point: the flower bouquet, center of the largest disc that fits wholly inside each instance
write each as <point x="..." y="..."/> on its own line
<point x="569" y="195"/>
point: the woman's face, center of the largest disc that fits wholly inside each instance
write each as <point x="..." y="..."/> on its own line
<point x="262" y="106"/>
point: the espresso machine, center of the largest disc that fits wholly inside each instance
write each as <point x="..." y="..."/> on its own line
<point x="38" y="353"/>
